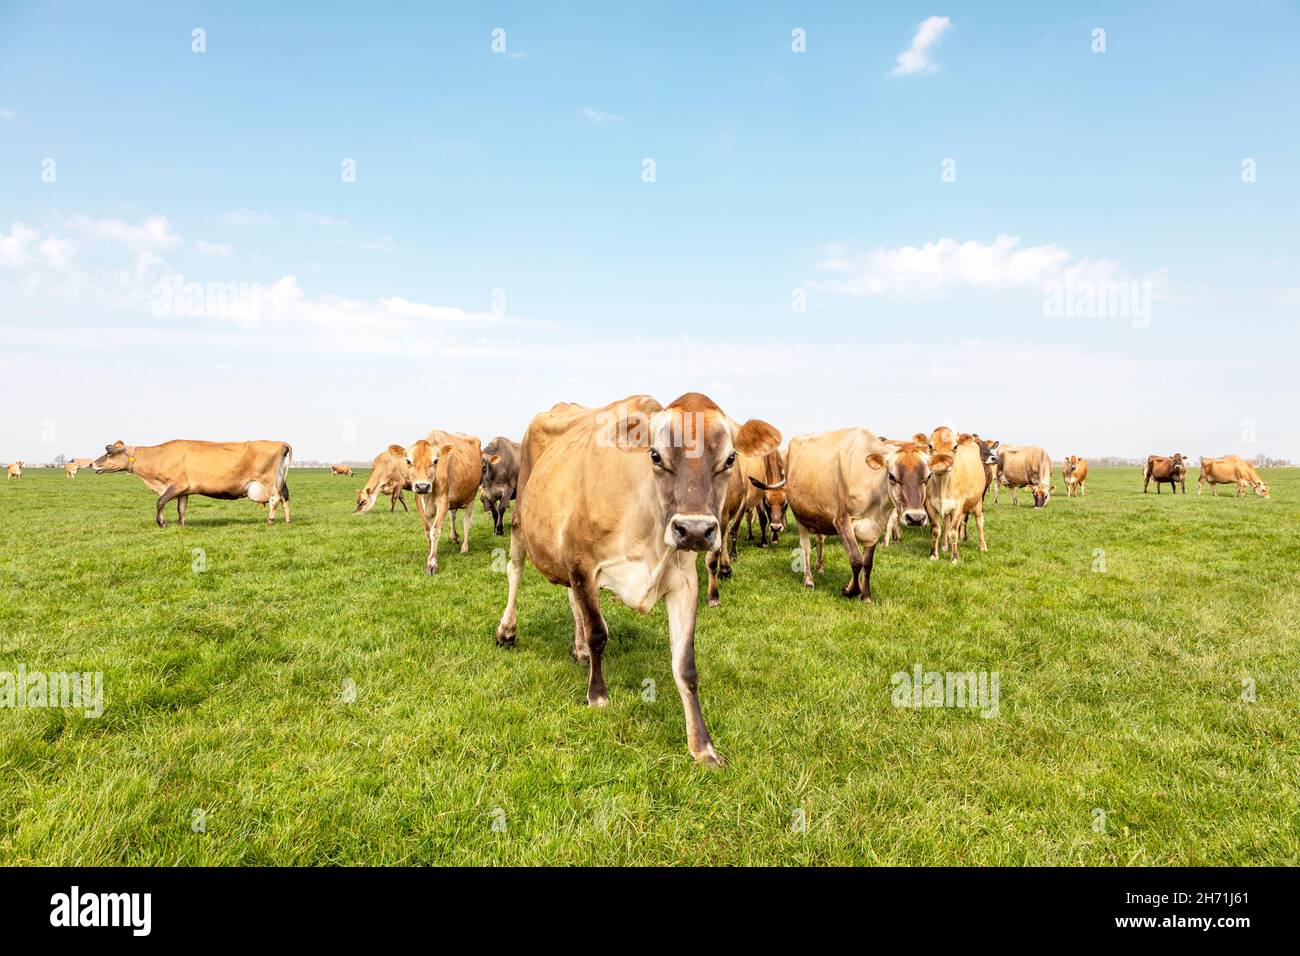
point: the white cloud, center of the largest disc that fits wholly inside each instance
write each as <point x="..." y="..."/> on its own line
<point x="937" y="267"/>
<point x="600" y="117"/>
<point x="380" y="244"/>
<point x="24" y="248"/>
<point x="214" y="250"/>
<point x="154" y="232"/>
<point x="916" y="58"/>
<point x="7" y="114"/>
<point x="247" y="217"/>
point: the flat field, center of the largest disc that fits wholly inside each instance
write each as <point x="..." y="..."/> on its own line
<point x="306" y="695"/>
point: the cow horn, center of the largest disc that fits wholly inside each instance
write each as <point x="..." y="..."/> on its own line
<point x="763" y="486"/>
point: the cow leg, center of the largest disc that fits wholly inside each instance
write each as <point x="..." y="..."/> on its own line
<point x="730" y="538"/>
<point x="507" y="628"/>
<point x="820" y="567"/>
<point x="979" y="525"/>
<point x="936" y="522"/>
<point x="182" y="503"/>
<point x="711" y="562"/>
<point x="952" y="524"/>
<point x="680" y="602"/>
<point x="170" y="492"/>
<point x="587" y="596"/>
<point x="850" y="542"/>
<point x="392" y="501"/>
<point x="1240" y="489"/>
<point x="1083" y="489"/>
<point x="464" y="525"/>
<point x="581" y="651"/>
<point x="455" y="539"/>
<point x="804" y="541"/>
<point x="271" y="504"/>
<point x="749" y="525"/>
<point x="891" y="526"/>
<point x="1157" y="487"/>
<point x="432" y="528"/>
<point x="868" y="561"/>
<point x="762" y="528"/>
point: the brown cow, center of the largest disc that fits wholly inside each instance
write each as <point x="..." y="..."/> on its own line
<point x="1075" y="472"/>
<point x="1162" y="470"/>
<point x="907" y="493"/>
<point x="955" y="491"/>
<point x="70" y="469"/>
<point x="1025" y="466"/>
<point x="1230" y="470"/>
<point x="623" y="498"/>
<point x="14" y="470"/>
<point x="390" y="474"/>
<point x="446" y="469"/>
<point x="229" y="470"/>
<point x="340" y="470"/>
<point x="742" y="497"/>
<point x="500" y="478"/>
<point x="838" y="483"/>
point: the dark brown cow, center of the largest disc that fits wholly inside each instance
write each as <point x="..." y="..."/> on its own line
<point x="1171" y="470"/>
<point x="624" y="497"/>
<point x="177" y="469"/>
<point x="500" y="479"/>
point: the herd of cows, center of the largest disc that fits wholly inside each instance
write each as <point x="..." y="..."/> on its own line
<point x="624" y="498"/>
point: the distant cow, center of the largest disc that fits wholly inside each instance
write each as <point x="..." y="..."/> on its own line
<point x="742" y="497"/>
<point x="499" y="480"/>
<point x="340" y="470"/>
<point x="70" y="469"/>
<point x="1165" y="470"/>
<point x="390" y="474"/>
<point x="1230" y="470"/>
<point x="838" y="483"/>
<point x="446" y="468"/>
<point x="1075" y="472"/>
<point x="177" y="469"/>
<point x="14" y="470"/>
<point x="956" y="489"/>
<point x="1025" y="466"/>
<point x="624" y="497"/>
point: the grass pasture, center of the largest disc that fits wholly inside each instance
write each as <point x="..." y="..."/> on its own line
<point x="226" y="692"/>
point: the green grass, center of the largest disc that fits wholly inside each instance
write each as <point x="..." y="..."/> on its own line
<point x="223" y="690"/>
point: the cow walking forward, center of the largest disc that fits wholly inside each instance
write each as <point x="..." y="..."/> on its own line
<point x="1170" y="470"/>
<point x="956" y="489"/>
<point x="446" y="469"/>
<point x="500" y="477"/>
<point x="14" y="470"/>
<point x="1075" y="472"/>
<point x="254" y="470"/>
<point x="624" y="498"/>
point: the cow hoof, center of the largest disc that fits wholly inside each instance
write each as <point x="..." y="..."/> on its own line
<point x="601" y="700"/>
<point x="724" y="573"/>
<point x="504" y="638"/>
<point x="715" y="602"/>
<point x="464" y="550"/>
<point x="708" y="757"/>
<point x="581" y="658"/>
<point x="430" y="569"/>
<point x="808" y="583"/>
<point x="934" y="557"/>
<point x="846" y="592"/>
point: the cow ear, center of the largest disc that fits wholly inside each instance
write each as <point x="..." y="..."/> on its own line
<point x="876" y="460"/>
<point x="110" y="448"/>
<point x="495" y="460"/>
<point x="757" y="437"/>
<point x="397" y="450"/>
<point x="444" y="451"/>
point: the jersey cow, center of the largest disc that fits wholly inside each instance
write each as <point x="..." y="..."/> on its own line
<point x="446" y="468"/>
<point x="1025" y="466"/>
<point x="340" y="470"/>
<point x="500" y="477"/>
<point x="624" y="498"/>
<point x="956" y="489"/>
<point x="230" y="470"/>
<point x="13" y="470"/>
<point x="390" y="474"/>
<point x="1171" y="470"/>
<point x="1074" y="470"/>
<point x="1230" y="470"/>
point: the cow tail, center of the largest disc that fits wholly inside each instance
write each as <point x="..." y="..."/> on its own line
<point x="285" y="458"/>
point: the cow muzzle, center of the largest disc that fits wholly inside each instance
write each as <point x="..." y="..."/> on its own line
<point x="693" y="532"/>
<point x="914" y="518"/>
<point x="422" y="487"/>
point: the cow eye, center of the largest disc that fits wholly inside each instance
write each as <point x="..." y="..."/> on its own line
<point x="892" y="477"/>
<point x="731" y="460"/>
<point x="657" y="458"/>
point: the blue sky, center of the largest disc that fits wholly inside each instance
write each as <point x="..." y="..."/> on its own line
<point x="500" y="251"/>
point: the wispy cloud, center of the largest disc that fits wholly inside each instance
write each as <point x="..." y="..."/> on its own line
<point x="213" y="250"/>
<point x="916" y="58"/>
<point x="247" y="217"/>
<point x="152" y="233"/>
<point x="25" y="247"/>
<point x="937" y="267"/>
<point x="599" y="117"/>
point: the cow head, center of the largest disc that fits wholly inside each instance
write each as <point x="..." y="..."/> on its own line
<point x="116" y="457"/>
<point x="988" y="450"/>
<point x="690" y="448"/>
<point x="390" y="472"/>
<point x="1069" y="464"/>
<point x="1042" y="493"/>
<point x="909" y="468"/>
<point x="1261" y="488"/>
<point x="423" y="459"/>
<point x="497" y="491"/>
<point x="1180" y="466"/>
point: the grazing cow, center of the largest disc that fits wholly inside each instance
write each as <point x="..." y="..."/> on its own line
<point x="14" y="470"/>
<point x="624" y="497"/>
<point x="446" y="469"/>
<point x="838" y="483"/>
<point x="1229" y="470"/>
<point x="500" y="477"/>
<point x="229" y="470"/>
<point x="1162" y="470"/>
<point x="70" y="469"/>
<point x="340" y="470"/>
<point x="742" y="498"/>
<point x="390" y="474"/>
<point x="1024" y="466"/>
<point x="955" y="491"/>
<point x="1075" y="472"/>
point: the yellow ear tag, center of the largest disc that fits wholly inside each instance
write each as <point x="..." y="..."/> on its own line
<point x="130" y="459"/>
